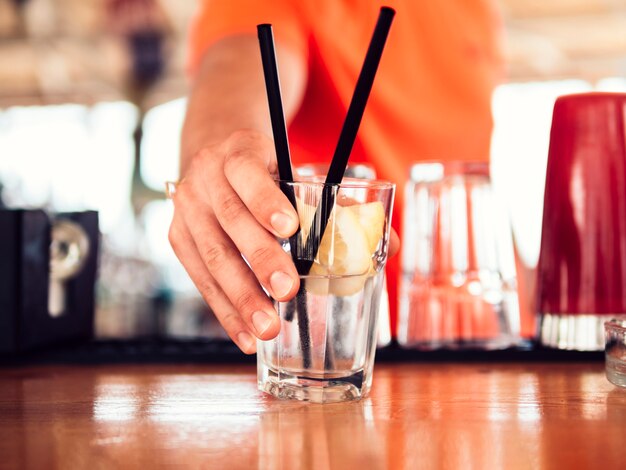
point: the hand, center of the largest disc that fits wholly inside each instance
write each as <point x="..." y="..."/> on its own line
<point x="228" y="205"/>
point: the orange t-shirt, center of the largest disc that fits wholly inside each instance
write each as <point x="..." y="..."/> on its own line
<point x="431" y="96"/>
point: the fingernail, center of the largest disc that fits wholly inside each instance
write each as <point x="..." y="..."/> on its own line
<point x="282" y="223"/>
<point x="261" y="321"/>
<point x="245" y="341"/>
<point x="281" y="284"/>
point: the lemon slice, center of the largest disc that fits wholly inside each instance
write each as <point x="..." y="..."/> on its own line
<point x="344" y="257"/>
<point x="371" y="216"/>
<point x="343" y="251"/>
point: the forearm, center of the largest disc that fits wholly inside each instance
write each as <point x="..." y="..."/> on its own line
<point x="228" y="93"/>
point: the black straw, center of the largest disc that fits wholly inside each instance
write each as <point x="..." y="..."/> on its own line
<point x="360" y="96"/>
<point x="285" y="174"/>
<point x="272" y="85"/>
<point x="350" y="127"/>
<point x="279" y="128"/>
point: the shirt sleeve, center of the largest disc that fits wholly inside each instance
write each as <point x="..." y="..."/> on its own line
<point x="216" y="19"/>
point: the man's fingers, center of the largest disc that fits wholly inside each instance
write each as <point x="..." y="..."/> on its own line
<point x="223" y="260"/>
<point x="271" y="265"/>
<point x="186" y="251"/>
<point x="247" y="174"/>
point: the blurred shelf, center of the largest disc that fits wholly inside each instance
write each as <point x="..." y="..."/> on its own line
<point x="66" y="51"/>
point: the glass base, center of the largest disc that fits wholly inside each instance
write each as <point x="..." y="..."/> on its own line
<point x="579" y="332"/>
<point x="491" y="344"/>
<point x="616" y="371"/>
<point x="449" y="317"/>
<point x="290" y="385"/>
<point x="615" y="351"/>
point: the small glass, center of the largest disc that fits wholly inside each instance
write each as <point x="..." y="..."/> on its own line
<point x="615" y="351"/>
<point x="458" y="267"/>
<point x="327" y="341"/>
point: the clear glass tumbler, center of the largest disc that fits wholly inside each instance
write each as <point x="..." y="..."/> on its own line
<point x="458" y="266"/>
<point x="327" y="342"/>
<point x="615" y="351"/>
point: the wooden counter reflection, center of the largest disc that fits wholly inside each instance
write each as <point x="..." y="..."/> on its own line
<point x="419" y="416"/>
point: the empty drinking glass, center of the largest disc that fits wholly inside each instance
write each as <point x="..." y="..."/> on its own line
<point x="458" y="266"/>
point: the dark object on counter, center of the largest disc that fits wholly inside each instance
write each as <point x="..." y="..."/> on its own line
<point x="582" y="264"/>
<point x="29" y="317"/>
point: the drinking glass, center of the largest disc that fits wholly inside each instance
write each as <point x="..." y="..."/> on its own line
<point x="581" y="274"/>
<point x="458" y="266"/>
<point x="327" y="341"/>
<point x="615" y="351"/>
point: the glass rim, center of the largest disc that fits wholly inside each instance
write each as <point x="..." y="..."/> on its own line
<point x="430" y="171"/>
<point x="452" y="162"/>
<point x="361" y="170"/>
<point x="346" y="183"/>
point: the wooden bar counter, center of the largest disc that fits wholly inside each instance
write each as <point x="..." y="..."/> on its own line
<point x="419" y="416"/>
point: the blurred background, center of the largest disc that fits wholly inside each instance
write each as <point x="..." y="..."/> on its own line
<point x="96" y="88"/>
